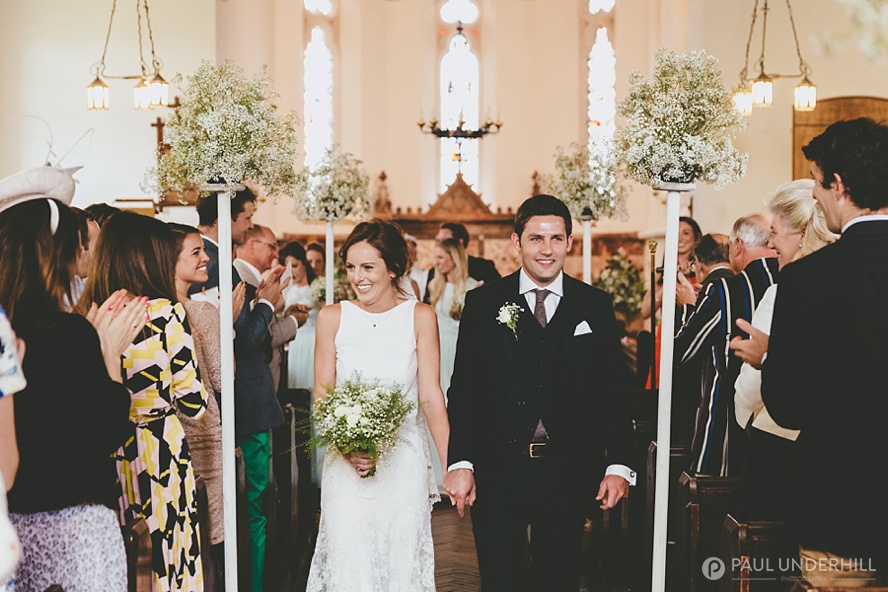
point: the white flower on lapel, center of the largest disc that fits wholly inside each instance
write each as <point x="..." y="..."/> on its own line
<point x="508" y="316"/>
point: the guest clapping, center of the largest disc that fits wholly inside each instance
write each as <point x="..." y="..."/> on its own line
<point x="139" y="254"/>
<point x="73" y="413"/>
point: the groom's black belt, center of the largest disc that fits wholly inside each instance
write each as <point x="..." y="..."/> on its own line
<point x="537" y="449"/>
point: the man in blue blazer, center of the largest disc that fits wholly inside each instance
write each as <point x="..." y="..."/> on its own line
<point x="540" y="425"/>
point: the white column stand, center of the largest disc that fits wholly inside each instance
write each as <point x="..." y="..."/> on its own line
<point x="226" y="333"/>
<point x="587" y="251"/>
<point x="664" y="401"/>
<point x="328" y="262"/>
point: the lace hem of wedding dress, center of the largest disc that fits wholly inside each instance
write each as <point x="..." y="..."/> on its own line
<point x="434" y="495"/>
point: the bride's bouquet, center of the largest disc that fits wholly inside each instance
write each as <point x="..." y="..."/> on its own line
<point x="360" y="416"/>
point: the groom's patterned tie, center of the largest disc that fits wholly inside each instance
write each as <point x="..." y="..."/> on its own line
<point x="539" y="310"/>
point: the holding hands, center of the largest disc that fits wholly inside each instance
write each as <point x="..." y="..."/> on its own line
<point x="460" y="486"/>
<point x="118" y="321"/>
<point x="613" y="488"/>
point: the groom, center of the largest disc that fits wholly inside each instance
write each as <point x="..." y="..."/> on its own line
<point x="538" y="413"/>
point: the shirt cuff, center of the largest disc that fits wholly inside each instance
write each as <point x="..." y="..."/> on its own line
<point x="264" y="301"/>
<point x="295" y="322"/>
<point x="463" y="464"/>
<point x="622" y="471"/>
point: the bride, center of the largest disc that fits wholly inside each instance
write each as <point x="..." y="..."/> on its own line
<point x="375" y="532"/>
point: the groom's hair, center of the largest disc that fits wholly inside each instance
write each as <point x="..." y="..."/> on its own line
<point x="542" y="205"/>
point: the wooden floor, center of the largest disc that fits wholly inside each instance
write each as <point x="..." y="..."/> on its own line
<point x="456" y="565"/>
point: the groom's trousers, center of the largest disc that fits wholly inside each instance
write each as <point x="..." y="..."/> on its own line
<point x="530" y="494"/>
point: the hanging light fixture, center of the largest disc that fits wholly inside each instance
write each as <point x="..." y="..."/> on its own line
<point x="151" y="90"/>
<point x="762" y="92"/>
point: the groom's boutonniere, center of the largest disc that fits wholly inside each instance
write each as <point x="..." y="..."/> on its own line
<point x="508" y="316"/>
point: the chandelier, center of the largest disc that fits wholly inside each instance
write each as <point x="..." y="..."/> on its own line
<point x="759" y="91"/>
<point x="488" y="127"/>
<point x="151" y="90"/>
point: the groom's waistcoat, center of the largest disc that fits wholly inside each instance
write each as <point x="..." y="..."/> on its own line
<point x="542" y="353"/>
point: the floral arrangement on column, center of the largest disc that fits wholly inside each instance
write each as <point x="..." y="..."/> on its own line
<point x="587" y="182"/>
<point x="679" y="124"/>
<point x="227" y="131"/>
<point x="623" y="281"/>
<point x="335" y="189"/>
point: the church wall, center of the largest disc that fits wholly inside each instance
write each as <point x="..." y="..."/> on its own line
<point x="46" y="50"/>
<point x="532" y="56"/>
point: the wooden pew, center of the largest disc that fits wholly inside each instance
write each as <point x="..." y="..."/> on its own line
<point x="745" y="545"/>
<point x="704" y="503"/>
<point x="137" y="542"/>
<point x="679" y="460"/>
<point x="282" y="501"/>
<point x="244" y="549"/>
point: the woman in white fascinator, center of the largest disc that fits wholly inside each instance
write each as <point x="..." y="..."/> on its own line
<point x="73" y="413"/>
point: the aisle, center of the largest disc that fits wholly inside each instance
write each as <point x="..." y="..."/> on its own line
<point x="456" y="565"/>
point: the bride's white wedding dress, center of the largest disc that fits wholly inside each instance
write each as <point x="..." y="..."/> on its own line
<point x="375" y="533"/>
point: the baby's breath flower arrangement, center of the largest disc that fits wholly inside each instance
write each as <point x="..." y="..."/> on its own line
<point x="342" y="289"/>
<point x="679" y="124"/>
<point x="226" y="131"/>
<point x="587" y="183"/>
<point x="334" y="189"/>
<point x="360" y="416"/>
<point x="622" y="280"/>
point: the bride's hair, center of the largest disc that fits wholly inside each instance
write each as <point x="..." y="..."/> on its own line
<point x="387" y="238"/>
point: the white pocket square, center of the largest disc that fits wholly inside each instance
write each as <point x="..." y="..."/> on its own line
<point x="582" y="329"/>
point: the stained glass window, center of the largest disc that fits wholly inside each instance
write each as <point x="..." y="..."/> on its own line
<point x="459" y="102"/>
<point x="324" y="7"/>
<point x="602" y="96"/>
<point x="318" y="97"/>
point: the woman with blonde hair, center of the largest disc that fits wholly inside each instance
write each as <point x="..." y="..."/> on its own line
<point x="447" y="294"/>
<point x="798" y="228"/>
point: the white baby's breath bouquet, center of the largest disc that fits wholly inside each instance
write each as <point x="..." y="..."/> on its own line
<point x="679" y="124"/>
<point x="227" y="131"/>
<point x="360" y="415"/>
<point x="332" y="190"/>
<point x="587" y="182"/>
<point x="622" y="280"/>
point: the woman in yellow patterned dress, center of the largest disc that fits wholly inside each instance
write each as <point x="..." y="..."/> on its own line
<point x="160" y="370"/>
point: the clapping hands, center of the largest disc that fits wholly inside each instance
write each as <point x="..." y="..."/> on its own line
<point x="117" y="321"/>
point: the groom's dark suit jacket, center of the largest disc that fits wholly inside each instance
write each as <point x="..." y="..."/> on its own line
<point x="499" y="392"/>
<point x="825" y="375"/>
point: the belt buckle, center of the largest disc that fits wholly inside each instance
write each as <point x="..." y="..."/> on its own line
<point x="536" y="449"/>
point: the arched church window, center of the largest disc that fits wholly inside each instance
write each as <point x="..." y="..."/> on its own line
<point x="602" y="76"/>
<point x="318" y="98"/>
<point x="459" y="96"/>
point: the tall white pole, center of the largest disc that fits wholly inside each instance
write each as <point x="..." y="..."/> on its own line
<point x="664" y="401"/>
<point x="328" y="261"/>
<point x="226" y="333"/>
<point x="587" y="251"/>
